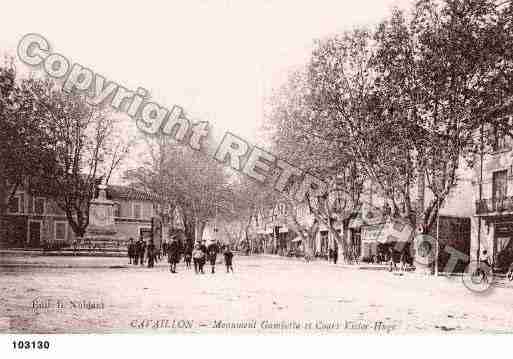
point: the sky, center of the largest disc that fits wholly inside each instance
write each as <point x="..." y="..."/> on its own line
<point x="219" y="60"/>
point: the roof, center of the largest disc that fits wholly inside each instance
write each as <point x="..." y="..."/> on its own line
<point x="129" y="193"/>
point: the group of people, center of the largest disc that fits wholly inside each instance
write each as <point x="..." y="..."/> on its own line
<point x="197" y="254"/>
<point x="201" y="253"/>
<point x="137" y="251"/>
<point x="403" y="257"/>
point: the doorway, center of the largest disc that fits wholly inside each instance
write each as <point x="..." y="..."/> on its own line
<point x="34" y="233"/>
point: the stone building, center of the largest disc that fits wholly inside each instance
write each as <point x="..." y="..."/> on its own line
<point x="36" y="221"/>
<point x="492" y="224"/>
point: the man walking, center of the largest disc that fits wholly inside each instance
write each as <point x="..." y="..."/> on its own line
<point x="141" y="249"/>
<point x="151" y="253"/>
<point x="173" y="254"/>
<point x="131" y="256"/>
<point x="188" y="255"/>
<point x="212" y="251"/>
<point x="135" y="252"/>
<point x="228" y="257"/>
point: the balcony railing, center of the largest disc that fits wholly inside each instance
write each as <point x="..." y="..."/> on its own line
<point x="491" y="205"/>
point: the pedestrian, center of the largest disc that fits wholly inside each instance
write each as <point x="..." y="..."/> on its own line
<point x="335" y="254"/>
<point x="198" y="256"/>
<point x="131" y="251"/>
<point x="203" y="260"/>
<point x="392" y="263"/>
<point x="150" y="250"/>
<point x="212" y="251"/>
<point x="404" y="259"/>
<point x="330" y="255"/>
<point x="509" y="275"/>
<point x="141" y="249"/>
<point x="203" y="247"/>
<point x="188" y="255"/>
<point x="173" y="254"/>
<point x="228" y="257"/>
<point x="164" y="248"/>
<point x="136" y="251"/>
<point x="158" y="253"/>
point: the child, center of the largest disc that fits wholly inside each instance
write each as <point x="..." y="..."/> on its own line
<point x="198" y="257"/>
<point x="188" y="258"/>
<point x="228" y="256"/>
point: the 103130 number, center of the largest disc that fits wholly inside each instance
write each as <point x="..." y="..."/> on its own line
<point x="34" y="344"/>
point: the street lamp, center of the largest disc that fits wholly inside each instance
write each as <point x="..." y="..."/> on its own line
<point x="480" y="196"/>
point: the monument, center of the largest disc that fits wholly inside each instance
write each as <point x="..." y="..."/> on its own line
<point x="101" y="231"/>
<point x="101" y="214"/>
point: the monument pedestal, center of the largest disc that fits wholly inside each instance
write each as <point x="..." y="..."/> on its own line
<point x="101" y="232"/>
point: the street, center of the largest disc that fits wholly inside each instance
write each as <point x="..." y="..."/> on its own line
<point x="264" y="295"/>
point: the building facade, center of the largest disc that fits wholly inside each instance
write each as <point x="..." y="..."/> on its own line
<point x="34" y="221"/>
<point x="492" y="223"/>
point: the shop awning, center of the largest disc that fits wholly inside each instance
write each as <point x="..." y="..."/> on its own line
<point x="372" y="233"/>
<point x="395" y="230"/>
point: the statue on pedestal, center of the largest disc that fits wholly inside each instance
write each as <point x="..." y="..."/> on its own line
<point x="101" y="214"/>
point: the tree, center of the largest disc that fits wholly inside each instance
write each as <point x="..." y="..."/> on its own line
<point x="298" y="138"/>
<point x="25" y="142"/>
<point x="187" y="180"/>
<point x="407" y="99"/>
<point x="457" y="57"/>
<point x="84" y="145"/>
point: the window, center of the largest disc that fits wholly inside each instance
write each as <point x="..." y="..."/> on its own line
<point x="499" y="140"/>
<point x="16" y="204"/>
<point x="137" y="210"/>
<point x="500" y="184"/>
<point x="499" y="188"/>
<point x="60" y="230"/>
<point x="499" y="136"/>
<point x="39" y="205"/>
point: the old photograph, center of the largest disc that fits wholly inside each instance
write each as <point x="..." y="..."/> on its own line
<point x="271" y="167"/>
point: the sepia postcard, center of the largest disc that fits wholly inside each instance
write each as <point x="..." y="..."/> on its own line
<point x="240" y="168"/>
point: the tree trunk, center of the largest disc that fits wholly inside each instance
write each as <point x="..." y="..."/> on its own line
<point x="3" y="227"/>
<point x="3" y="211"/>
<point x="6" y="195"/>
